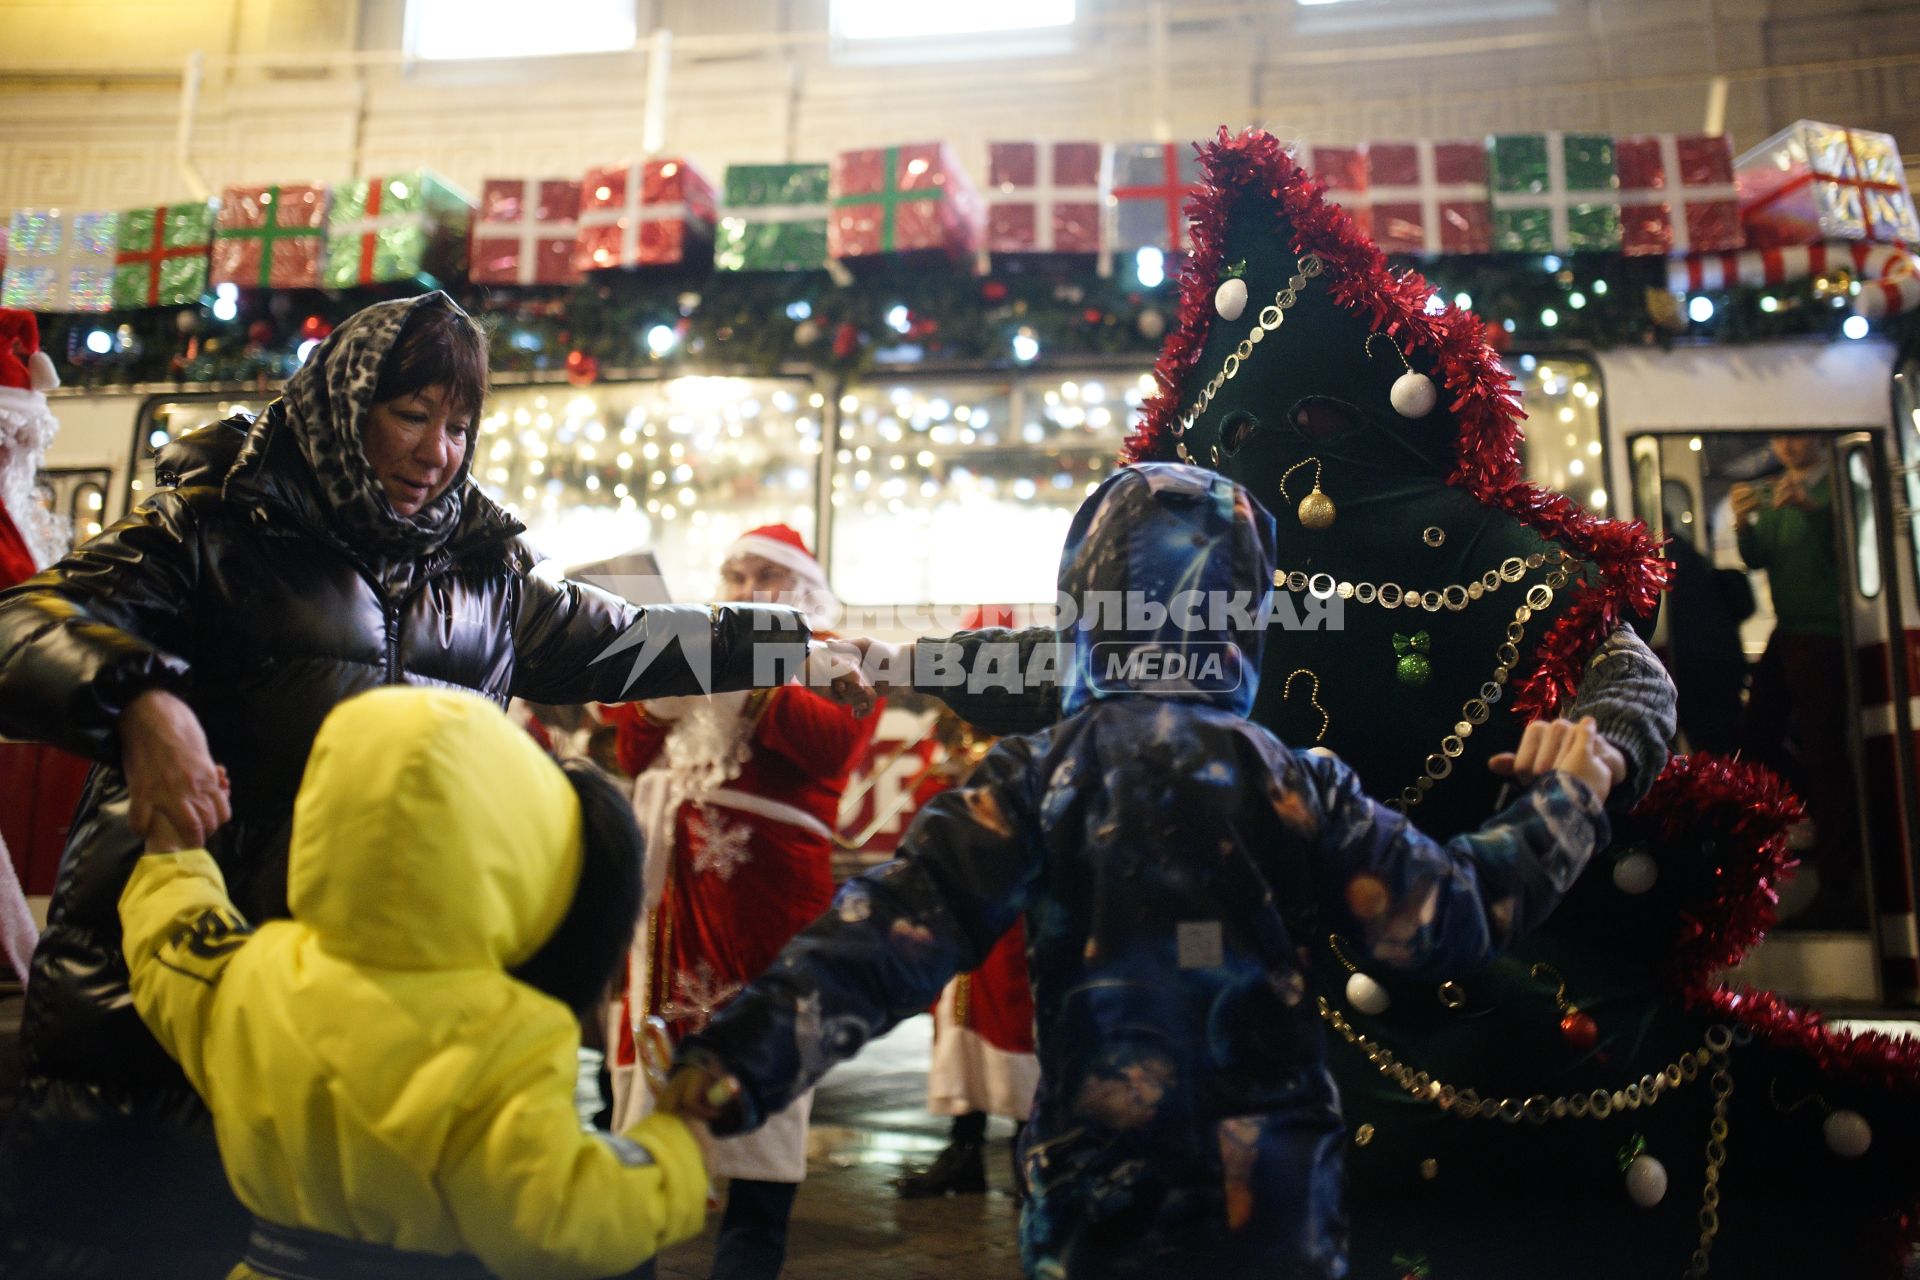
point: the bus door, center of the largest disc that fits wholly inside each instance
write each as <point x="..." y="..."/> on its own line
<point x="1782" y="631"/>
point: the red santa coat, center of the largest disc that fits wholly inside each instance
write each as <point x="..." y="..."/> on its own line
<point x="750" y="865"/>
<point x="16" y="559"/>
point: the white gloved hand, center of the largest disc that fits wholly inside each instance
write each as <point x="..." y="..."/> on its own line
<point x="886" y="666"/>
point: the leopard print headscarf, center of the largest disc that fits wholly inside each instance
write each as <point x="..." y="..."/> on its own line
<point x="326" y="406"/>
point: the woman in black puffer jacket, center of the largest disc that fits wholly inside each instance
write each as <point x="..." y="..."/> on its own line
<point x="192" y="650"/>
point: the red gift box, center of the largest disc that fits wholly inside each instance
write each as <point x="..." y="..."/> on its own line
<point x="526" y="232"/>
<point x="658" y="213"/>
<point x="1046" y="197"/>
<point x="1430" y="197"/>
<point x="269" y="237"/>
<point x="1344" y="172"/>
<point x="1677" y="194"/>
<point x="900" y="199"/>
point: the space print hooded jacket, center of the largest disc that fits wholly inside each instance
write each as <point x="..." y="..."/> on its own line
<point x="1172" y="861"/>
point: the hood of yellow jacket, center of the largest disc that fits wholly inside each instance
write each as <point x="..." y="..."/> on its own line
<point x="431" y="833"/>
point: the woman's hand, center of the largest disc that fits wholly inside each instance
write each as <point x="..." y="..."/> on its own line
<point x="1567" y="746"/>
<point x="170" y="773"/>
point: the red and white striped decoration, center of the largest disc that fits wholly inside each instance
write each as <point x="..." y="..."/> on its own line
<point x="1698" y="272"/>
<point x="1881" y="298"/>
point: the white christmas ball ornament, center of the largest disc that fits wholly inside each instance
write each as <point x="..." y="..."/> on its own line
<point x="1413" y="395"/>
<point x="1230" y="299"/>
<point x="1366" y="995"/>
<point x="1848" y="1134"/>
<point x="1635" y="873"/>
<point x="1646" y="1181"/>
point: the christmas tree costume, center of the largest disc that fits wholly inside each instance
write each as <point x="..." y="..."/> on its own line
<point x="1513" y="1121"/>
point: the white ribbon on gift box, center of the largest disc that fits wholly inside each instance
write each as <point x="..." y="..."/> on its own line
<point x="1676" y="194"/>
<point x="1428" y="193"/>
<point x="528" y="231"/>
<point x="1043" y="194"/>
<point x="67" y="258"/>
<point x="1556" y="198"/>
<point x="629" y="214"/>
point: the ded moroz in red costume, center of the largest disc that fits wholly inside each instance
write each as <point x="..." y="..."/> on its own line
<point x="738" y="795"/>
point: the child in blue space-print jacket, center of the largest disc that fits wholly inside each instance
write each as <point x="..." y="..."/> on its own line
<point x="1173" y="861"/>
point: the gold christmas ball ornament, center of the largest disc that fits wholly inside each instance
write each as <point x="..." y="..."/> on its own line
<point x="1317" y="510"/>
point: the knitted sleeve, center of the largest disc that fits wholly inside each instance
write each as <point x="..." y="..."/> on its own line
<point x="1631" y="698"/>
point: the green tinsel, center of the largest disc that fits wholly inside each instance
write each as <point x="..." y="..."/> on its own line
<point x="753" y="323"/>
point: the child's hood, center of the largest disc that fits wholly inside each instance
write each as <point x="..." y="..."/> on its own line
<point x="430" y="832"/>
<point x="1170" y="569"/>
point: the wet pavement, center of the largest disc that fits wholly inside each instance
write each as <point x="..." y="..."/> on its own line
<point x="870" y="1120"/>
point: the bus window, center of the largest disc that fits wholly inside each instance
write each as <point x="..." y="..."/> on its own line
<point x="680" y="467"/>
<point x="164" y="421"/>
<point x="86" y="509"/>
<point x="1564" y="449"/>
<point x="946" y="491"/>
<point x="1866" y="535"/>
<point x="1906" y="425"/>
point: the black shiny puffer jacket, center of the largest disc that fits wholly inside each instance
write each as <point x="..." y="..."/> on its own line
<point x="233" y="591"/>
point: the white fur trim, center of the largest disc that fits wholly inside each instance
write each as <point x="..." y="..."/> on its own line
<point x="41" y="375"/>
<point x="27" y="427"/>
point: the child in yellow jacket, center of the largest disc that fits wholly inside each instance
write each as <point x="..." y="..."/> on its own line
<point x="391" y="1072"/>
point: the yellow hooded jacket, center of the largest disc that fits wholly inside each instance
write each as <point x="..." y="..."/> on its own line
<point x="372" y="1070"/>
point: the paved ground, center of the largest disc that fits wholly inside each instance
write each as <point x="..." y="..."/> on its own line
<point x="869" y="1119"/>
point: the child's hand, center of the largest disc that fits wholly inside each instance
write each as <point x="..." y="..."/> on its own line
<point x="702" y="1138"/>
<point x="695" y="1093"/>
<point x="1573" y="747"/>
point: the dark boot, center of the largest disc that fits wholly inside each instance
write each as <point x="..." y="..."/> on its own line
<point x="1019" y="1169"/>
<point x="959" y="1169"/>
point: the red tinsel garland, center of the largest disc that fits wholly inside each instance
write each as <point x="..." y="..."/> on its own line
<point x="1745" y="811"/>
<point x="1462" y="361"/>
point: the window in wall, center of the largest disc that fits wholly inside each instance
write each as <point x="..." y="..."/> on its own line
<point x="452" y="29"/>
<point x="921" y="31"/>
<point x="960" y="492"/>
<point x="679" y="468"/>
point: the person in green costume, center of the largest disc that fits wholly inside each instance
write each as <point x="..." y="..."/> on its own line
<point x="1555" y="1113"/>
<point x="1799" y="691"/>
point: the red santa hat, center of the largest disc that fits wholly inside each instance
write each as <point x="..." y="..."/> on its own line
<point x="23" y="365"/>
<point x="783" y="545"/>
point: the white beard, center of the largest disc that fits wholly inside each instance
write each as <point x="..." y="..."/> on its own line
<point x="708" y="745"/>
<point x="27" y="427"/>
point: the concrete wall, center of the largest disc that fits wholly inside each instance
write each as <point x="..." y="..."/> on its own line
<point x="310" y="89"/>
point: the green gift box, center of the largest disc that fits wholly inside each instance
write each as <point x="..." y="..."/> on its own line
<point x="773" y="217"/>
<point x="161" y="258"/>
<point x="1553" y="192"/>
<point x="398" y="227"/>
